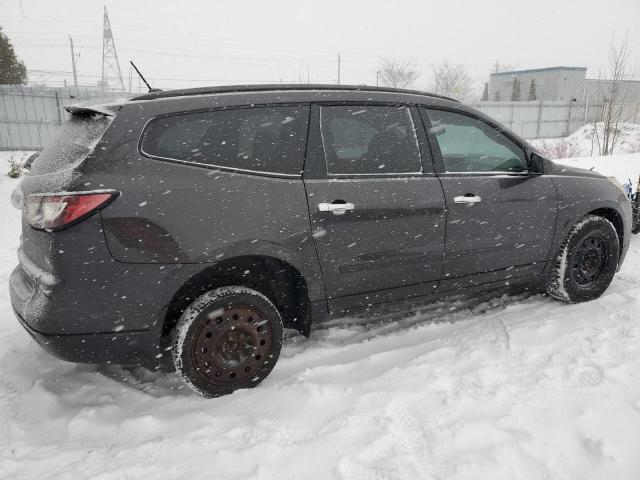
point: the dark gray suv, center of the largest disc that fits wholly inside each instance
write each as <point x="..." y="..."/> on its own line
<point x="195" y="225"/>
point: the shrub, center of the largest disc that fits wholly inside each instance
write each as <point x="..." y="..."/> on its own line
<point x="16" y="166"/>
<point x="561" y="148"/>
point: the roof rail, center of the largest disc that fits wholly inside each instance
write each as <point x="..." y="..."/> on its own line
<point x="278" y="87"/>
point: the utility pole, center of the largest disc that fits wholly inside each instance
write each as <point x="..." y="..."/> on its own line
<point x="73" y="64"/>
<point x="377" y="78"/>
<point x="338" y="68"/>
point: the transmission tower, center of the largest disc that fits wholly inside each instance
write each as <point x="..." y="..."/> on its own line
<point x="110" y="65"/>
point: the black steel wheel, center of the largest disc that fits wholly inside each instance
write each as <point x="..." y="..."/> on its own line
<point x="590" y="259"/>
<point x="587" y="261"/>
<point x="227" y="339"/>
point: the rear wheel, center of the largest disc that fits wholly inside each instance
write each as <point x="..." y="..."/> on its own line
<point x="587" y="261"/>
<point x="227" y="339"/>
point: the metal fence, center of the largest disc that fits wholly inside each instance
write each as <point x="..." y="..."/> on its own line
<point x="30" y="116"/>
<point x="547" y="119"/>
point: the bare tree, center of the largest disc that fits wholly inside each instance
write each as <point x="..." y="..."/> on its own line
<point x="613" y="92"/>
<point x="303" y="75"/>
<point x="397" y="74"/>
<point x="452" y="80"/>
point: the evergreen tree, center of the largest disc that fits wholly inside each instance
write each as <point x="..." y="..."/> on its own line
<point x="485" y="93"/>
<point x="496" y="97"/>
<point x="12" y="70"/>
<point x="515" y="91"/>
<point x="532" y="90"/>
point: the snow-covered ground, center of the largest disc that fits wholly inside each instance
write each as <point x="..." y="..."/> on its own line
<point x="511" y="388"/>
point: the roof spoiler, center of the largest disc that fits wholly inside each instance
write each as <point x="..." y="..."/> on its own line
<point x="108" y="107"/>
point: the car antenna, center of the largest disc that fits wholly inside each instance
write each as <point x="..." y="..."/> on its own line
<point x="151" y="90"/>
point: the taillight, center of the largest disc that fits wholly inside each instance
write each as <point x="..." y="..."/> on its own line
<point x="55" y="211"/>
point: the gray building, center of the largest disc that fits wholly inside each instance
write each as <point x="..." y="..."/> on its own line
<point x="552" y="83"/>
<point x="626" y="94"/>
<point x="597" y="90"/>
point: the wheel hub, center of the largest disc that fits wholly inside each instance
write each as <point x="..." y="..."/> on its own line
<point x="236" y="346"/>
<point x="231" y="344"/>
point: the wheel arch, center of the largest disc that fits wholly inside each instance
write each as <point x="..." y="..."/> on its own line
<point x="275" y="278"/>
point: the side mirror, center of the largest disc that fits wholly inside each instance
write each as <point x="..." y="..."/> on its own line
<point x="438" y="129"/>
<point x="536" y="163"/>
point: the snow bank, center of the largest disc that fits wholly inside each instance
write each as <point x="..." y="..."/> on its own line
<point x="584" y="141"/>
<point x="506" y="388"/>
<point x="587" y="139"/>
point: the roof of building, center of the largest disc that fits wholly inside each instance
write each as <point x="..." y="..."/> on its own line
<point x="538" y="70"/>
<point x="279" y="87"/>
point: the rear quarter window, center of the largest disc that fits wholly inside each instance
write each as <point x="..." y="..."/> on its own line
<point x="261" y="139"/>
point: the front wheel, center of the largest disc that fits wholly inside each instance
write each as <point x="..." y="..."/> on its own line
<point x="227" y="339"/>
<point x="584" y="267"/>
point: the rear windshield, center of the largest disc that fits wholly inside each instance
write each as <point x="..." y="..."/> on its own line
<point x="72" y="143"/>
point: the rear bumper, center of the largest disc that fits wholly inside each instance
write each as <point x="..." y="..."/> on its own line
<point x="46" y="310"/>
<point x="122" y="348"/>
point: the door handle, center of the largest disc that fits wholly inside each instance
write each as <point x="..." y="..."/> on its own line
<point x="335" y="208"/>
<point x="468" y="198"/>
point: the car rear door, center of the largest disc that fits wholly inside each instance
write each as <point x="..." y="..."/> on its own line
<point x="376" y="207"/>
<point x="501" y="218"/>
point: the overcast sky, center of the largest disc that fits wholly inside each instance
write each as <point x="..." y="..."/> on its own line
<point x="191" y="43"/>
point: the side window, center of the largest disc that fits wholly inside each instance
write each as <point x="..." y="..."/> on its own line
<point x="361" y="140"/>
<point x="470" y="145"/>
<point x="266" y="139"/>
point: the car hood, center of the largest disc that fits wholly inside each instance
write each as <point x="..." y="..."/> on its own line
<point x="558" y="169"/>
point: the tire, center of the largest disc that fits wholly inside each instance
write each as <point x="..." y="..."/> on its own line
<point x="227" y="339"/>
<point x="586" y="263"/>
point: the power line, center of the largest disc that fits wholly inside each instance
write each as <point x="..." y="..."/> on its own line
<point x="61" y="73"/>
<point x="251" y="60"/>
<point x="207" y="42"/>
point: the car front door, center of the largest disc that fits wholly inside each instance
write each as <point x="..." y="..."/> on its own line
<point x="501" y="217"/>
<point x="376" y="206"/>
